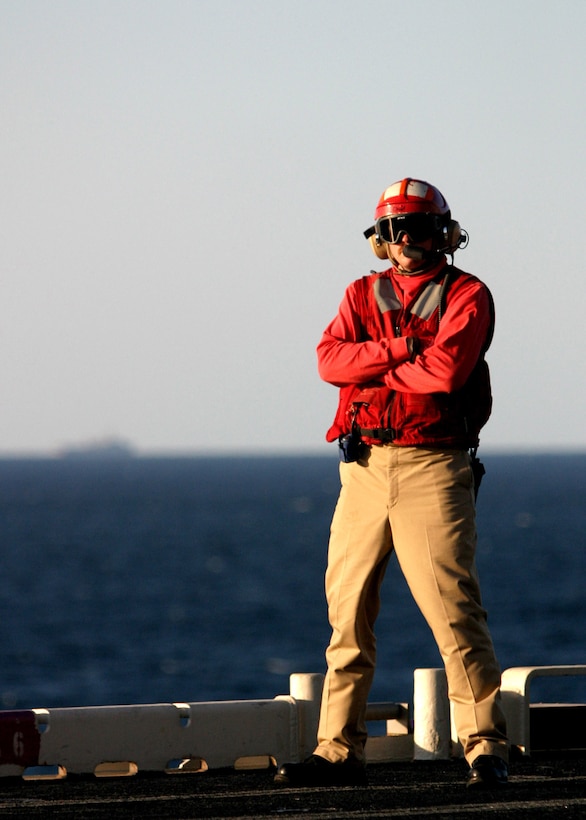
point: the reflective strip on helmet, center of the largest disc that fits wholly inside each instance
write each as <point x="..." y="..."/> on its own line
<point x="408" y="187"/>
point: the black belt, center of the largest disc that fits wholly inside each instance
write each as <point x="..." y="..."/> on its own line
<point x="382" y="434"/>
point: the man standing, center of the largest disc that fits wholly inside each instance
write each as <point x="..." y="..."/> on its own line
<point x="407" y="351"/>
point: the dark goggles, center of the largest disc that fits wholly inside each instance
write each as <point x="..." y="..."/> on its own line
<point x="418" y="227"/>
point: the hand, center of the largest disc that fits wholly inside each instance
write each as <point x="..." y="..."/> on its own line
<point x="413" y="347"/>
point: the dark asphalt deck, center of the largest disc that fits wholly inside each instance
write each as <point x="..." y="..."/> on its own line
<point x="542" y="787"/>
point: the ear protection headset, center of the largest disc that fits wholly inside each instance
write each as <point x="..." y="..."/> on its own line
<point x="455" y="237"/>
<point x="379" y="248"/>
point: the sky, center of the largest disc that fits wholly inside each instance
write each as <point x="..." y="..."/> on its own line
<point x="184" y="186"/>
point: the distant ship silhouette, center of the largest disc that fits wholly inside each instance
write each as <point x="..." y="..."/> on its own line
<point x="107" y="449"/>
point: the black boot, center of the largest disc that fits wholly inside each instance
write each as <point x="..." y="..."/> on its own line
<point x="317" y="771"/>
<point x="487" y="772"/>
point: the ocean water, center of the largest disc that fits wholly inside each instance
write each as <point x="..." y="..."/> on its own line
<point x="145" y="580"/>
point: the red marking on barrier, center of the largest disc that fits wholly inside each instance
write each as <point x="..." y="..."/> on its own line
<point x="20" y="740"/>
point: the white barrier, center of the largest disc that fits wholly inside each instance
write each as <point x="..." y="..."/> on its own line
<point x="160" y="737"/>
<point x="516" y="694"/>
<point x="119" y="740"/>
<point x="190" y="737"/>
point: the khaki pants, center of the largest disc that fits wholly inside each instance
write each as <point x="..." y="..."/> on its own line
<point x="420" y="503"/>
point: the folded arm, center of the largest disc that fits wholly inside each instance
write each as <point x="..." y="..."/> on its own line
<point x="446" y="364"/>
<point x="345" y="357"/>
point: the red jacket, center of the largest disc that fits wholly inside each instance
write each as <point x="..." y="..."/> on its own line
<point x="439" y="397"/>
